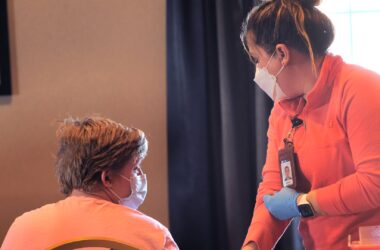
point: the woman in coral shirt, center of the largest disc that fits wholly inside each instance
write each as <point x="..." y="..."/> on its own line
<point x="324" y="125"/>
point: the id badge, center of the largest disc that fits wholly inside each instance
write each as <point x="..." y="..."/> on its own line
<point x="287" y="164"/>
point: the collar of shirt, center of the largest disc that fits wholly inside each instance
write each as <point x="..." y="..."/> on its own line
<point x="320" y="93"/>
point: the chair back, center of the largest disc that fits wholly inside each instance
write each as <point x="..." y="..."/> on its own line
<point x="92" y="242"/>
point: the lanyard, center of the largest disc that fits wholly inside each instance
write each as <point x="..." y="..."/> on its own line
<point x="287" y="157"/>
<point x="296" y="123"/>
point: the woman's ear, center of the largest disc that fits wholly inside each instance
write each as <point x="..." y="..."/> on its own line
<point x="106" y="179"/>
<point x="283" y="53"/>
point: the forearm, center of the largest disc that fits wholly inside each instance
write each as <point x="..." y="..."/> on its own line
<point x="355" y="193"/>
<point x="251" y="246"/>
<point x="264" y="229"/>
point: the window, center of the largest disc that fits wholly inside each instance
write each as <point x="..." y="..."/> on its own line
<point x="356" y="25"/>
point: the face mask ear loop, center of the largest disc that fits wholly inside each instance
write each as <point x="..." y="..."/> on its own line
<point x="270" y="59"/>
<point x="125" y="178"/>
<point x="114" y="193"/>
<point x="283" y="66"/>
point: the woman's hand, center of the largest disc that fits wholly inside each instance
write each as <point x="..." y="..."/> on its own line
<point x="283" y="204"/>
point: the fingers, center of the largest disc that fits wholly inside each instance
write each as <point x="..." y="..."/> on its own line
<point x="266" y="199"/>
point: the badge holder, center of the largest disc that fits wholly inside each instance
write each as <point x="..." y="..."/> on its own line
<point x="287" y="157"/>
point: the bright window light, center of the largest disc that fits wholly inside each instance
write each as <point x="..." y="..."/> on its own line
<point x="357" y="25"/>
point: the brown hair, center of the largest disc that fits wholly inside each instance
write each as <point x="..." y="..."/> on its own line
<point x="295" y="23"/>
<point x="91" y="145"/>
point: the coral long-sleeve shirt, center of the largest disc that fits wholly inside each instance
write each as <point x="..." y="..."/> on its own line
<point x="80" y="217"/>
<point x="338" y="149"/>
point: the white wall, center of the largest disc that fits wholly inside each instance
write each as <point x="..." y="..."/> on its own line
<point x="71" y="57"/>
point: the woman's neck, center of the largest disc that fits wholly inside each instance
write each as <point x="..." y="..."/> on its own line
<point x="306" y="75"/>
<point x="98" y="195"/>
<point x="314" y="76"/>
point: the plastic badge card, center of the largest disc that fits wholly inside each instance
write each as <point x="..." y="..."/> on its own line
<point x="287" y="166"/>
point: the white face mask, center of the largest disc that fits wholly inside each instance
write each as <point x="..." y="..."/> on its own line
<point x="139" y="189"/>
<point x="268" y="82"/>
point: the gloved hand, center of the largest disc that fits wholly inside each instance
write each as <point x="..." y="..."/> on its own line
<point x="283" y="204"/>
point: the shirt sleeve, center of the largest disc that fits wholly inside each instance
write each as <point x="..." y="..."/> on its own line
<point x="16" y="238"/>
<point x="265" y="229"/>
<point x="9" y="239"/>
<point x="169" y="242"/>
<point x="359" y="114"/>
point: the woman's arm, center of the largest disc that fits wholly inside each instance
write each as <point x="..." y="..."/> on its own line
<point x="359" y="109"/>
<point x="312" y="199"/>
<point x="266" y="229"/>
<point x="251" y="246"/>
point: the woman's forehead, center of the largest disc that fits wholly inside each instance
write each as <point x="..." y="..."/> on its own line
<point x="253" y="48"/>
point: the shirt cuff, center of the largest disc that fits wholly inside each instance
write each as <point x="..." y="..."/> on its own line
<point x="261" y="235"/>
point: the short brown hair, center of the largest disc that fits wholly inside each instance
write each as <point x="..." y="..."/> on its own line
<point x="295" y="23"/>
<point x="91" y="145"/>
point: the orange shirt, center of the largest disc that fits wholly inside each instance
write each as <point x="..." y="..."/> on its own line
<point x="77" y="217"/>
<point x="338" y="150"/>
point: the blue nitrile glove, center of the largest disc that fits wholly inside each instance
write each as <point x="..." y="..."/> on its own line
<point x="283" y="204"/>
